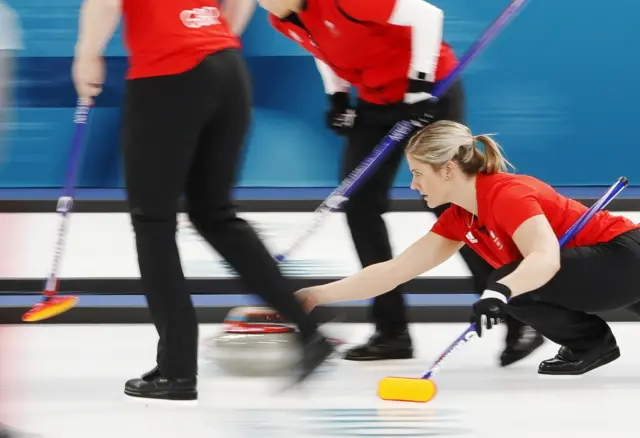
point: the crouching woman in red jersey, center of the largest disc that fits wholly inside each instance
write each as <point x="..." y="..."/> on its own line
<point x="392" y="53"/>
<point x="514" y="223"/>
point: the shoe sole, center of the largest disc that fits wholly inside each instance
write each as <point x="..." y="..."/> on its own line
<point x="601" y="361"/>
<point x="165" y="395"/>
<point x="390" y="356"/>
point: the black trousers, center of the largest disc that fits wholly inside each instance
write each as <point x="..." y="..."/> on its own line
<point x="367" y="205"/>
<point x="591" y="279"/>
<point x="184" y="134"/>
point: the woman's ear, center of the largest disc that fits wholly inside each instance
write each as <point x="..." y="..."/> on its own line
<point x="448" y="170"/>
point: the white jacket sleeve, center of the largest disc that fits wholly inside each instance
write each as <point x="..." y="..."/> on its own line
<point x="426" y="22"/>
<point x="332" y="83"/>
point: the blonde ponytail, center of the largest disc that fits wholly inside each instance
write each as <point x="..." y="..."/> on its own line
<point x="445" y="140"/>
<point x="494" y="161"/>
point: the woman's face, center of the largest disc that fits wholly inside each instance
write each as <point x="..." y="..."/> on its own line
<point x="430" y="183"/>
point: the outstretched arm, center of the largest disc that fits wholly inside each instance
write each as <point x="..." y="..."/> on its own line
<point x="424" y="255"/>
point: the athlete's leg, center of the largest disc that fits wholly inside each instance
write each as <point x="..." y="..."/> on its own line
<point x="160" y="134"/>
<point x="364" y="213"/>
<point x="591" y="279"/>
<point x="209" y="188"/>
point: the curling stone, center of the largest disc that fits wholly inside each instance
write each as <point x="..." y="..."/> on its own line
<point x="255" y="341"/>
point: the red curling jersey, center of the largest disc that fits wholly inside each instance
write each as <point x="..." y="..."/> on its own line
<point x="354" y="38"/>
<point x="505" y="201"/>
<point x="172" y="36"/>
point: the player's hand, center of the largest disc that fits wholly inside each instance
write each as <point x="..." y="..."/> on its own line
<point x="340" y="116"/>
<point x="420" y="103"/>
<point x="88" y="74"/>
<point x="489" y="310"/>
<point x="307" y="299"/>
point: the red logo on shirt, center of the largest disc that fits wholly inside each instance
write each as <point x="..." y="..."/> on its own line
<point x="492" y="236"/>
<point x="496" y="240"/>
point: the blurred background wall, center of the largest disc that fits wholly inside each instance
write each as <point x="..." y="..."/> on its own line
<point x="559" y="86"/>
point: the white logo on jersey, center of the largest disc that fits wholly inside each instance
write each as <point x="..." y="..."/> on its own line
<point x="200" y="17"/>
<point x="331" y="27"/>
<point x="471" y="238"/>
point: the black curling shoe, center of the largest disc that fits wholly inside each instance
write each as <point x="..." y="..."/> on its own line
<point x="571" y="363"/>
<point x="154" y="386"/>
<point x="383" y="347"/>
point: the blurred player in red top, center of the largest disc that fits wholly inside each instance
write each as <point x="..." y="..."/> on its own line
<point x="514" y="223"/>
<point x="186" y="113"/>
<point x="392" y="53"/>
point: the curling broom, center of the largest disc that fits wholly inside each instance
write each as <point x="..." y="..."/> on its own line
<point x="53" y="304"/>
<point x="424" y="389"/>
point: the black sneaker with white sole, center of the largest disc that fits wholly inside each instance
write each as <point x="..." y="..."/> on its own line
<point x="153" y="385"/>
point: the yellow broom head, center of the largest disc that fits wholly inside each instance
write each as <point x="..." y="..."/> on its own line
<point x="49" y="307"/>
<point x="406" y="389"/>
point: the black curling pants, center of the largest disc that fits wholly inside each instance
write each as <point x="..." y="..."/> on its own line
<point x="184" y="134"/>
<point x="367" y="205"/>
<point x="591" y="279"/>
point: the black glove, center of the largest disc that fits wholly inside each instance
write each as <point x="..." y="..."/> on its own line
<point x="489" y="310"/>
<point x="340" y="116"/>
<point x="420" y="103"/>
